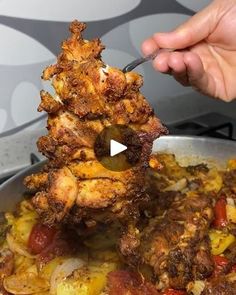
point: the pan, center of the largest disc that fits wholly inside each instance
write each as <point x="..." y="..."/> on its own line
<point x="189" y="150"/>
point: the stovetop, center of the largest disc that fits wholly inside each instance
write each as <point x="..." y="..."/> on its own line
<point x="210" y="124"/>
<point x="20" y="150"/>
<point x="16" y="150"/>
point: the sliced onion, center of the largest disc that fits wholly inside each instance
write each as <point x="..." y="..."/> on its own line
<point x="63" y="270"/>
<point x="230" y="201"/>
<point x="196" y="287"/>
<point x="25" y="283"/>
<point x="17" y="247"/>
<point x="178" y="186"/>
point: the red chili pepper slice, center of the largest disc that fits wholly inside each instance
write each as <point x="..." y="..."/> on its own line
<point x="220" y="214"/>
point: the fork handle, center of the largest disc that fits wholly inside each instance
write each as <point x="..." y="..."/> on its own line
<point x="142" y="60"/>
<point x="156" y="53"/>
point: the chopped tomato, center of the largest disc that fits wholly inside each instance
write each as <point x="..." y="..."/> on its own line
<point x="62" y="244"/>
<point x="40" y="238"/>
<point x="125" y="282"/>
<point x="174" y="292"/>
<point x="220" y="213"/>
<point x="220" y="264"/>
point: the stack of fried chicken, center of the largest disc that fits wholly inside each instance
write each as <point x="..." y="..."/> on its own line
<point x="89" y="96"/>
<point x="171" y="247"/>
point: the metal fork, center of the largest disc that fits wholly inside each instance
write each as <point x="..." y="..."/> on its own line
<point x="142" y="60"/>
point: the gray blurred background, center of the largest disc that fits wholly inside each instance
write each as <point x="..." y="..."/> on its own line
<point x="31" y="33"/>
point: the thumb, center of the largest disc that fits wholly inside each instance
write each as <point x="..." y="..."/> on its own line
<point x="191" y="32"/>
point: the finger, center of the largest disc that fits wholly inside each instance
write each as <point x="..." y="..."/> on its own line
<point x="160" y="63"/>
<point x="178" y="68"/>
<point x="149" y="46"/>
<point x="176" y="62"/>
<point x="191" y="32"/>
<point x="182" y="78"/>
<point x="197" y="76"/>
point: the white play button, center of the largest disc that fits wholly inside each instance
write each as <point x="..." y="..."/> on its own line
<point x="116" y="148"/>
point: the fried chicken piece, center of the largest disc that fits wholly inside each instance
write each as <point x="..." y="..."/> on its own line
<point x="224" y="285"/>
<point x="174" y="245"/>
<point x="36" y="181"/>
<point x="129" y="283"/>
<point x="89" y="96"/>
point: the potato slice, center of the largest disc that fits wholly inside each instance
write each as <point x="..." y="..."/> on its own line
<point x="220" y="241"/>
<point x="89" y="281"/>
<point x="231" y="213"/>
<point x="23" y="226"/>
<point x="25" y="283"/>
<point x="48" y="269"/>
<point x="231" y="165"/>
<point x="212" y="181"/>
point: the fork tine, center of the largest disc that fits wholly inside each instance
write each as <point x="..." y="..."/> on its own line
<point x="133" y="65"/>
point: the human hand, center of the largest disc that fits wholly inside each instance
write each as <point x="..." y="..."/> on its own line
<point x="206" y="51"/>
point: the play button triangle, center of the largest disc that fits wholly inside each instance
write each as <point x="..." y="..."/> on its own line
<point x="116" y="148"/>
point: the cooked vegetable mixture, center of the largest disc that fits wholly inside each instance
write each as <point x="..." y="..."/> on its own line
<point x="184" y="243"/>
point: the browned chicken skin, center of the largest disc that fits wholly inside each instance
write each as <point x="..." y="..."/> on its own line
<point x="172" y="242"/>
<point x="175" y="246"/>
<point x="89" y="96"/>
<point x="225" y="285"/>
